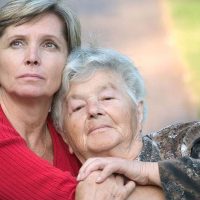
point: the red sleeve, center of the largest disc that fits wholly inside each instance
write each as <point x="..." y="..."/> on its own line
<point x="23" y="175"/>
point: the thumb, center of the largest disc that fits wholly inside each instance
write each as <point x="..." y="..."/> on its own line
<point x="129" y="187"/>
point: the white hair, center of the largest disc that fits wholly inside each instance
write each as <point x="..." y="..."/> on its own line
<point x="83" y="62"/>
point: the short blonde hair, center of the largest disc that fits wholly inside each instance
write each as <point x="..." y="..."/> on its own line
<point x="21" y="11"/>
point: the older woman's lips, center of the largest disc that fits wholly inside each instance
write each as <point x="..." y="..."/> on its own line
<point x="98" y="129"/>
<point x="31" y="76"/>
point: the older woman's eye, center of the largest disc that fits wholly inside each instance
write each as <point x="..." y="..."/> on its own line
<point x="107" y="98"/>
<point x="77" y="108"/>
<point x="16" y="43"/>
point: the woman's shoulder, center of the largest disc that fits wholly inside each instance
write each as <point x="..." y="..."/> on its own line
<point x="7" y="131"/>
<point x="178" y="140"/>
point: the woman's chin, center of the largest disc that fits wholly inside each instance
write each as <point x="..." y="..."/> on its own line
<point x="99" y="143"/>
<point x="30" y="94"/>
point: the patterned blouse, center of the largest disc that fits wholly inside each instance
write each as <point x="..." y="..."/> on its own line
<point x="177" y="150"/>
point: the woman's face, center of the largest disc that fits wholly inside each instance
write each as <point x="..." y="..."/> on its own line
<point x="100" y="118"/>
<point x="32" y="57"/>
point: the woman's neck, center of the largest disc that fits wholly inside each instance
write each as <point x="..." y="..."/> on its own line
<point x="28" y="116"/>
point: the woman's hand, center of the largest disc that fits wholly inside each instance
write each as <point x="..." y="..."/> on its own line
<point x="144" y="173"/>
<point x="112" y="188"/>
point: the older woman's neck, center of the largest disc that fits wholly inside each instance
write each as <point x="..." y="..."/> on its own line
<point x="135" y="150"/>
<point x="130" y="152"/>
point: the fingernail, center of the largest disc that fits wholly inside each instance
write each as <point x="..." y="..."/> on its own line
<point x="98" y="179"/>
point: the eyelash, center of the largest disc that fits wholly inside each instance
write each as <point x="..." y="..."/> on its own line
<point x="13" y="43"/>
<point x="51" y="43"/>
<point x="77" y="108"/>
<point x="103" y="99"/>
<point x="107" y="98"/>
<point x="21" y="42"/>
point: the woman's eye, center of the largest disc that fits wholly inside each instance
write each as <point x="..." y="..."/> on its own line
<point x="77" y="108"/>
<point x="16" y="43"/>
<point x="50" y="45"/>
<point x="107" y="98"/>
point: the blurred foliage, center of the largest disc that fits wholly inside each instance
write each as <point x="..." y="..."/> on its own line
<point x="185" y="15"/>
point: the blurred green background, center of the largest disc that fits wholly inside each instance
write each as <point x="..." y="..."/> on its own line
<point x="185" y="19"/>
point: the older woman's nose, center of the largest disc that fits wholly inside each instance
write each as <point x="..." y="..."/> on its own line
<point x="94" y="110"/>
<point x="32" y="57"/>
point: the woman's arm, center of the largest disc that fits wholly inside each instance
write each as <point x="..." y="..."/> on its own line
<point x="143" y="173"/>
<point x="147" y="192"/>
<point x="179" y="146"/>
<point x="180" y="178"/>
<point x="23" y="175"/>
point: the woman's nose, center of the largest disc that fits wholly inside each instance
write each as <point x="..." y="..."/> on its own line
<point x="32" y="57"/>
<point x="94" y="110"/>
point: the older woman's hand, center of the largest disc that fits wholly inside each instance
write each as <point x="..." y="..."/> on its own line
<point x="112" y="188"/>
<point x="144" y="173"/>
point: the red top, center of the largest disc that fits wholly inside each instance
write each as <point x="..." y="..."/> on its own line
<point x="24" y="175"/>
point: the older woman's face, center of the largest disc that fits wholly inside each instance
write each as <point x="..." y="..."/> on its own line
<point x="100" y="118"/>
<point x="32" y="57"/>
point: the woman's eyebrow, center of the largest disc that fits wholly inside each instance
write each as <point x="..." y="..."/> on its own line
<point x="43" y="36"/>
<point x="13" y="36"/>
<point x="51" y="37"/>
<point x="100" y="89"/>
<point x="108" y="87"/>
<point x="74" y="97"/>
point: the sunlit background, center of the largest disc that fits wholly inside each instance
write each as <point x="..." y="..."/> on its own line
<point x="163" y="39"/>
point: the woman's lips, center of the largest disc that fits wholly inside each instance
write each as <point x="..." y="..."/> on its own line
<point x="31" y="76"/>
<point x="98" y="128"/>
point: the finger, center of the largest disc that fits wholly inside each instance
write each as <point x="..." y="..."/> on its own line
<point x="123" y="191"/>
<point x="114" y="166"/>
<point x="119" y="180"/>
<point x="86" y="163"/>
<point x="106" y="172"/>
<point x="129" y="187"/>
<point x="89" y="166"/>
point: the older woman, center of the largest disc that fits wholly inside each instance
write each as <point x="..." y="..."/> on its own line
<point x="100" y="109"/>
<point x="35" y="39"/>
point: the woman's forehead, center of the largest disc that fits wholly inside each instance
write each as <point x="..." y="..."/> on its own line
<point x="81" y="90"/>
<point x="46" y="21"/>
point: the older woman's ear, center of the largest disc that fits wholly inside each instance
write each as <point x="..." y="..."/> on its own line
<point x="66" y="141"/>
<point x="70" y="149"/>
<point x="140" y="111"/>
<point x="140" y="115"/>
